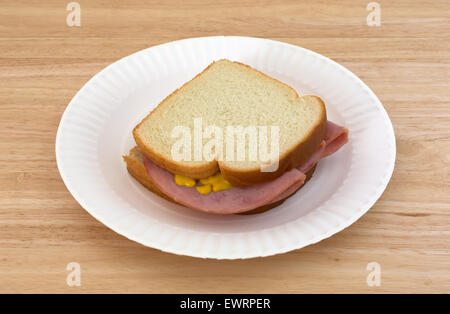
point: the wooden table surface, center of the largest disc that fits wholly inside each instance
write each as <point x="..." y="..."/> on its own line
<point x="44" y="62"/>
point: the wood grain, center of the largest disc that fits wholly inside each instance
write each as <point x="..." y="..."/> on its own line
<point x="43" y="63"/>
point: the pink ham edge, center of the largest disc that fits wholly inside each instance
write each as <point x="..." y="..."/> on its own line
<point x="238" y="200"/>
<point x="336" y="136"/>
<point x="304" y="168"/>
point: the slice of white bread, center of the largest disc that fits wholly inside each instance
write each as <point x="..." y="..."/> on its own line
<point x="136" y="167"/>
<point x="233" y="94"/>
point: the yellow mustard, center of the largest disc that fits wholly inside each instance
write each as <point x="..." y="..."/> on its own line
<point x="215" y="183"/>
<point x="218" y="182"/>
<point x="204" y="189"/>
<point x="184" y="181"/>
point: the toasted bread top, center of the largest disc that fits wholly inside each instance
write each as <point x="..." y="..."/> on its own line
<point x="233" y="94"/>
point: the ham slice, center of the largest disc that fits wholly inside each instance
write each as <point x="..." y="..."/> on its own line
<point x="336" y="136"/>
<point x="237" y="199"/>
<point x="232" y="201"/>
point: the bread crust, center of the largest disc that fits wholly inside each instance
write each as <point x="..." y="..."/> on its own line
<point x="291" y="159"/>
<point x="137" y="170"/>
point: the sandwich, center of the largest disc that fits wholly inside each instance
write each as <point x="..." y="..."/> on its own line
<point x="232" y="141"/>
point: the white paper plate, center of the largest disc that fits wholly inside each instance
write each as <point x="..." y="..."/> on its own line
<point x="95" y="131"/>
